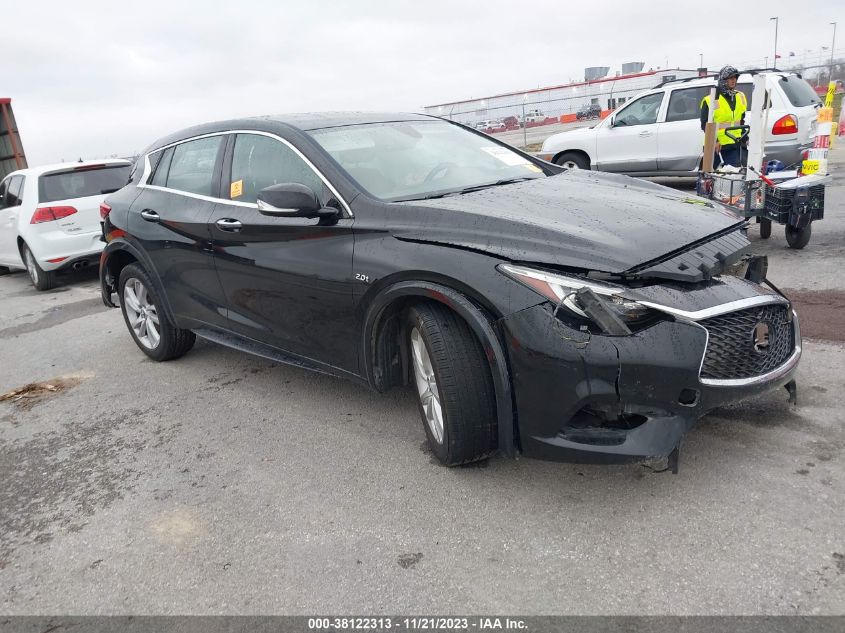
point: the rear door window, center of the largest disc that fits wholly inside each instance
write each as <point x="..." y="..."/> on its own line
<point x="82" y="182"/>
<point x="685" y="104"/>
<point x="192" y="166"/>
<point x="798" y="91"/>
<point x="3" y="187"/>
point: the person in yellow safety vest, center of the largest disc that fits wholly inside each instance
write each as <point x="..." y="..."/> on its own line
<point x="731" y="106"/>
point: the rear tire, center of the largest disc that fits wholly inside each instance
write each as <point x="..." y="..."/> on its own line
<point x="146" y="320"/>
<point x="41" y="279"/>
<point x="798" y="238"/>
<point x="4" y="270"/>
<point x="455" y="392"/>
<point x="572" y="160"/>
<point x="765" y="228"/>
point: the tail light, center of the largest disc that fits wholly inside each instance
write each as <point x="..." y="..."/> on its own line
<point x="104" y="211"/>
<point x="785" y="125"/>
<point x="51" y="214"/>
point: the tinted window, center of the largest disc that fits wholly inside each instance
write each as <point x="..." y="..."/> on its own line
<point x="643" y="111"/>
<point x="192" y="166"/>
<point x="686" y="104"/>
<point x="799" y="92"/>
<point x="3" y="186"/>
<point x="261" y="161"/>
<point x="160" y="163"/>
<point x="82" y="182"/>
<point x="15" y="191"/>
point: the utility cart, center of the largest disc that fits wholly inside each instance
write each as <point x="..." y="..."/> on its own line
<point x="784" y="197"/>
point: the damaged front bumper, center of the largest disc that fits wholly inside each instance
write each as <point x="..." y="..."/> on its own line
<point x="591" y="398"/>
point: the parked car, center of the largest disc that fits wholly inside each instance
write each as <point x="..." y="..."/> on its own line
<point x="534" y="116"/>
<point x="49" y="216"/>
<point x="588" y="111"/>
<point x="533" y="309"/>
<point x="511" y="123"/>
<point x="658" y="133"/>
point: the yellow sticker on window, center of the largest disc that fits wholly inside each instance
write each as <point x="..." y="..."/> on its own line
<point x="236" y="189"/>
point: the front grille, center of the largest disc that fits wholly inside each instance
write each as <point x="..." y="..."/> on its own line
<point x="733" y="350"/>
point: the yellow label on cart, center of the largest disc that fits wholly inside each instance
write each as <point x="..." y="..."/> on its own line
<point x="825" y="115"/>
<point x="236" y="190"/>
<point x="810" y="166"/>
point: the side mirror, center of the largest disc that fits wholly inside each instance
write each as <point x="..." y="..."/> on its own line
<point x="612" y="120"/>
<point x="291" y="200"/>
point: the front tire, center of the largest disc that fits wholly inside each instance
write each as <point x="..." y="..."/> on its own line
<point x="765" y="228"/>
<point x="146" y="320"/>
<point x="41" y="279"/>
<point x="454" y="386"/>
<point x="573" y="160"/>
<point x="798" y="238"/>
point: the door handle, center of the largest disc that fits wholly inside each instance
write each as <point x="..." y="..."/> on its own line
<point x="645" y="133"/>
<point x="228" y="224"/>
<point x="150" y="216"/>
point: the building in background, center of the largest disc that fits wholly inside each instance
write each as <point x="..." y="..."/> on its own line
<point x="12" y="156"/>
<point x="559" y="103"/>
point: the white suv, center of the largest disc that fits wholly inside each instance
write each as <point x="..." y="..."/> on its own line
<point x="658" y="132"/>
<point x="50" y="216"/>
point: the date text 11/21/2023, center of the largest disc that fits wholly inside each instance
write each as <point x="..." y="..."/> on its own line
<point x="415" y="624"/>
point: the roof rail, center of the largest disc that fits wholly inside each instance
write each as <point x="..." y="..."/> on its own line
<point x="683" y="80"/>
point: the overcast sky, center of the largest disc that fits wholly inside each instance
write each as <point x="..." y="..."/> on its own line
<point x="91" y="79"/>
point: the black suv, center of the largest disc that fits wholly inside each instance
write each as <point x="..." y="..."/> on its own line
<point x="559" y="314"/>
<point x="588" y="111"/>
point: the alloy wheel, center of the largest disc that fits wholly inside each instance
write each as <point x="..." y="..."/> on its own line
<point x="141" y="313"/>
<point x="426" y="383"/>
<point x="30" y="265"/>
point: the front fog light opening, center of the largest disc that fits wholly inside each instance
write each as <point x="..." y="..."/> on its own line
<point x="689" y="397"/>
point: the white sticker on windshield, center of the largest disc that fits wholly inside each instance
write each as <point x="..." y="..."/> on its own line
<point x="505" y="155"/>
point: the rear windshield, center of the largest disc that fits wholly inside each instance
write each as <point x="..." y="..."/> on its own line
<point x="82" y="182"/>
<point x="799" y="92"/>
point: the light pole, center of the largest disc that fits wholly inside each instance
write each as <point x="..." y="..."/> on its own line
<point x="701" y="60"/>
<point x="524" y="132"/>
<point x="832" y="46"/>
<point x="775" y="58"/>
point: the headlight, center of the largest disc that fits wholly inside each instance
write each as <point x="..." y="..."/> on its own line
<point x="563" y="291"/>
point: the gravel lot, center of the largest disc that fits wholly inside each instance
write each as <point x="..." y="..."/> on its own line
<point x="225" y="484"/>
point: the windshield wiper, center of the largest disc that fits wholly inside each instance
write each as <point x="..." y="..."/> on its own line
<point x="506" y="181"/>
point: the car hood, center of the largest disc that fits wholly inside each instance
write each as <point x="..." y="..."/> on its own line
<point x="576" y="219"/>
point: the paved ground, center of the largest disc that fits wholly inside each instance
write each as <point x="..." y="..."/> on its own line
<point x="222" y="483"/>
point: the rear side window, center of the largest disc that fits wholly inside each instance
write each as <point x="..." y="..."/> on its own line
<point x="685" y="104"/>
<point x="82" y="182"/>
<point x="160" y="163"/>
<point x="192" y="166"/>
<point x="3" y="186"/>
<point x="798" y="91"/>
<point x="14" y="193"/>
<point x="260" y="161"/>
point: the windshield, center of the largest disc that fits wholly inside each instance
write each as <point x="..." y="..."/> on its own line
<point x="409" y="160"/>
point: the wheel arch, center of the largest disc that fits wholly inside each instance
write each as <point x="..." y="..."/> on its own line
<point x="579" y="152"/>
<point x="115" y="257"/>
<point x="386" y="356"/>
